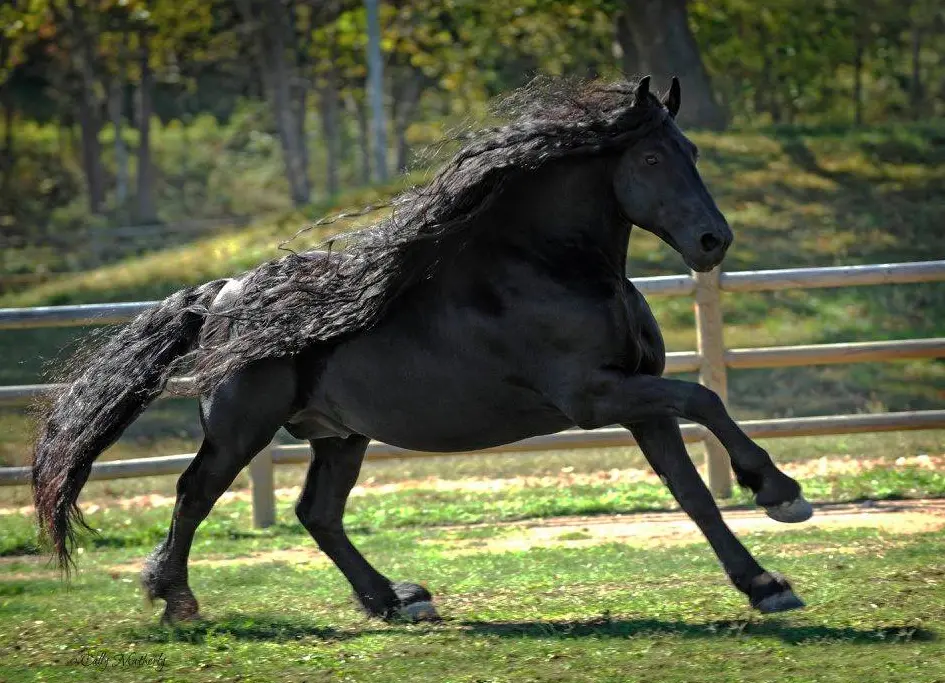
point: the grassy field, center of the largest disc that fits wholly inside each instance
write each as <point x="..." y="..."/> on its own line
<point x="570" y="611"/>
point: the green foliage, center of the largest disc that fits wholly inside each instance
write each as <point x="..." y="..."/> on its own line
<point x="796" y="61"/>
<point x="785" y="61"/>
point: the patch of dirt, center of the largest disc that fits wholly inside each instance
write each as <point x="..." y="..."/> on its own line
<point x="675" y="528"/>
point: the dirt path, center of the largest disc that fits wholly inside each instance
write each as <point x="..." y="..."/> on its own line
<point x="675" y="528"/>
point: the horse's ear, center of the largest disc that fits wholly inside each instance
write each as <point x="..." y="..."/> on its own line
<point x="642" y="91"/>
<point x="672" y="98"/>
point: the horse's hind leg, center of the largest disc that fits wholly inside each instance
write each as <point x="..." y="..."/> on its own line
<point x="332" y="474"/>
<point x="239" y="420"/>
<point x="662" y="444"/>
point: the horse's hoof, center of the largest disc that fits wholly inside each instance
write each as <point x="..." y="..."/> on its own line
<point x="770" y="592"/>
<point x="179" y="616"/>
<point x="419" y="611"/>
<point x="181" y="607"/>
<point x="416" y="603"/>
<point x="779" y="602"/>
<point x="791" y="512"/>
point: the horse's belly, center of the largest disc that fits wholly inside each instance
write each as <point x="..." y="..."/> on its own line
<point x="428" y="399"/>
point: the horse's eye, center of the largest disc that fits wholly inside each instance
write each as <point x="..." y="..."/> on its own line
<point x="651" y="159"/>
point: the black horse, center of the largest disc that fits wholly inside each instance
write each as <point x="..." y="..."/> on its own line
<point x="493" y="305"/>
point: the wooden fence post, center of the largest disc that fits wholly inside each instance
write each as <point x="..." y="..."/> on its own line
<point x="264" y="495"/>
<point x="711" y="347"/>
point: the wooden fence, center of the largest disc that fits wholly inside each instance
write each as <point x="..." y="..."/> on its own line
<point x="711" y="360"/>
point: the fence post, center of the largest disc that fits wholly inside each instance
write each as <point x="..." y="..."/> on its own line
<point x="711" y="346"/>
<point x="264" y="496"/>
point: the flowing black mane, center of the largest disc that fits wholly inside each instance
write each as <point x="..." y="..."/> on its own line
<point x="303" y="299"/>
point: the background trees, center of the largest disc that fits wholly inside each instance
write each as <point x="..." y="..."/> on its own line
<point x="117" y="111"/>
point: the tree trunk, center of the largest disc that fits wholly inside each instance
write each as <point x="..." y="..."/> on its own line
<point x="657" y="32"/>
<point x="115" y="95"/>
<point x="278" y="76"/>
<point x="301" y="110"/>
<point x="88" y="109"/>
<point x="357" y="109"/>
<point x="404" y="107"/>
<point x="146" y="212"/>
<point x="91" y="124"/>
<point x="328" y="103"/>
<point x="915" y="85"/>
<point x="375" y="89"/>
<point x="281" y="74"/>
<point x="297" y="36"/>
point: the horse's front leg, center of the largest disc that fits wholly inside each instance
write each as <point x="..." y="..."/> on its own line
<point x="662" y="444"/>
<point x="611" y="397"/>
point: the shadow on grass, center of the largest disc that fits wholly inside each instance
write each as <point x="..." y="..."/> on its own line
<point x="274" y="629"/>
<point x="771" y="628"/>
<point x="242" y="627"/>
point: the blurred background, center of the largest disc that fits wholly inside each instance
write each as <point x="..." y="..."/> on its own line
<point x="121" y="112"/>
<point x="147" y="145"/>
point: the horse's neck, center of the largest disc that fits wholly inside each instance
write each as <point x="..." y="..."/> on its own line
<point x="567" y="211"/>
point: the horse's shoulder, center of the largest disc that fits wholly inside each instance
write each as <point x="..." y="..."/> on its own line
<point x="646" y="332"/>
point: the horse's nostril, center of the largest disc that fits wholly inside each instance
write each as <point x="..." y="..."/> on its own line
<point x="710" y="242"/>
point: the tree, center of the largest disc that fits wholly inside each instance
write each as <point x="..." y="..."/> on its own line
<point x="271" y="28"/>
<point x="18" y="31"/>
<point x="326" y="60"/>
<point x="375" y="88"/>
<point x="146" y="211"/>
<point x="79" y="25"/>
<point x="657" y="40"/>
<point x="116" y="97"/>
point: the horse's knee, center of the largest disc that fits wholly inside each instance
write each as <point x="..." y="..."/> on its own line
<point x="703" y="401"/>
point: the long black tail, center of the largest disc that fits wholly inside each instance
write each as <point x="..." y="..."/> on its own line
<point x="118" y="382"/>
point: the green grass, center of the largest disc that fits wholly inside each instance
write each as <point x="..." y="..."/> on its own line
<point x="608" y="612"/>
<point x="602" y="613"/>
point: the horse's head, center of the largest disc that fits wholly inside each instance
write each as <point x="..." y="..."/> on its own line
<point x="660" y="190"/>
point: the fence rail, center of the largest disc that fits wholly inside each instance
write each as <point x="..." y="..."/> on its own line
<point x="711" y="360"/>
